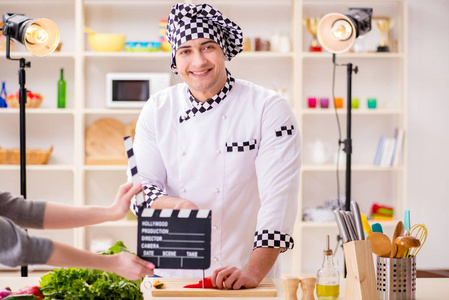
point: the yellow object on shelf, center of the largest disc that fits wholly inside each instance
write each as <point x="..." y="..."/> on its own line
<point x="106" y="42"/>
<point x="33" y="156"/>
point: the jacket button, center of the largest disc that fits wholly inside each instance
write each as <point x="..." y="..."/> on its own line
<point x="223" y="117"/>
<point x="215" y="227"/>
<point x="217" y="190"/>
<point x="183" y="190"/>
<point x="218" y="151"/>
<point x="216" y="260"/>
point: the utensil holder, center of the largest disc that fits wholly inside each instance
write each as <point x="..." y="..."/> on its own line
<point x="396" y="278"/>
<point x="360" y="279"/>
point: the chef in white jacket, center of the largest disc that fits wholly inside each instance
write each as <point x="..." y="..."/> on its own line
<point x="224" y="144"/>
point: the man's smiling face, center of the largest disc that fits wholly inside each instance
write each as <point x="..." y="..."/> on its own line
<point x="201" y="64"/>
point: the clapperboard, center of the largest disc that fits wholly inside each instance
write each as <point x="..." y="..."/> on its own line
<point x="171" y="239"/>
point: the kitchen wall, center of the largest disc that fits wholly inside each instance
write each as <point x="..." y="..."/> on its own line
<point x="428" y="127"/>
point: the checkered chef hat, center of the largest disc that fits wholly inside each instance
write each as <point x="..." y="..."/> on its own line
<point x="189" y="21"/>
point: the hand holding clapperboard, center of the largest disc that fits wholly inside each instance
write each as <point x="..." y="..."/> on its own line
<point x="171" y="239"/>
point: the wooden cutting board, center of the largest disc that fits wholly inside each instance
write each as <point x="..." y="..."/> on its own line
<point x="104" y="142"/>
<point x="174" y="288"/>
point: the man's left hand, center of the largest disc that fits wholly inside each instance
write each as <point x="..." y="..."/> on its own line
<point x="232" y="278"/>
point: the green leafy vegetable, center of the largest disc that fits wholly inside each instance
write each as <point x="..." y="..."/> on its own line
<point x="87" y="284"/>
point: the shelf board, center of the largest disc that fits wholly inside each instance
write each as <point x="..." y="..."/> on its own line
<point x="112" y="111"/>
<point x="360" y="168"/>
<point x="39" y="111"/>
<point x="375" y="55"/>
<point x="359" y="111"/>
<point x="24" y="54"/>
<point x="265" y="54"/>
<point x="159" y="55"/>
<point x="124" y="54"/>
<point x="50" y="167"/>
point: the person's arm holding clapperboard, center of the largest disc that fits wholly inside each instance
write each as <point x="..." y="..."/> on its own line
<point x="17" y="248"/>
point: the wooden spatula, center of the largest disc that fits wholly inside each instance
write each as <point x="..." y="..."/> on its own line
<point x="398" y="231"/>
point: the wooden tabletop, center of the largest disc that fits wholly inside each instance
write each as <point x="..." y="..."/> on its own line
<point x="427" y="288"/>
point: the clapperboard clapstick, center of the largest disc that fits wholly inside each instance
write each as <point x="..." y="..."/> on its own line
<point x="133" y="168"/>
<point x="171" y="239"/>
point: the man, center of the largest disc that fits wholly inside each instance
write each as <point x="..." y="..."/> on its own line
<point x="214" y="142"/>
<point x="18" y="248"/>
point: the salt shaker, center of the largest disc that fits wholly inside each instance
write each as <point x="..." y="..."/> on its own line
<point x="290" y="287"/>
<point x="308" y="288"/>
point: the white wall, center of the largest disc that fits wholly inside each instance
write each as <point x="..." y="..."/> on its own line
<point x="428" y="127"/>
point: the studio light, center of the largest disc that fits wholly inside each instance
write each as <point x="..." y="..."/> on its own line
<point x="337" y="32"/>
<point x="40" y="37"/>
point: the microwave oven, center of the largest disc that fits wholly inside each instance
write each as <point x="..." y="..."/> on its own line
<point x="132" y="90"/>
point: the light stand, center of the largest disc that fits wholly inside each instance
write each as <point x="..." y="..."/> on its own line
<point x="337" y="33"/>
<point x="40" y="36"/>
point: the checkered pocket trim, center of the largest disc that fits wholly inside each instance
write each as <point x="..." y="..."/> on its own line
<point x="284" y="130"/>
<point x="241" y="146"/>
<point x="273" y="239"/>
<point x="152" y="193"/>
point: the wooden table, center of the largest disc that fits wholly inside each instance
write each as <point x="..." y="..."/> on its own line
<point x="427" y="288"/>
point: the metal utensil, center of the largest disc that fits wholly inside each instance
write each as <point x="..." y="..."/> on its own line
<point x="350" y="223"/>
<point x="419" y="231"/>
<point x="347" y="225"/>
<point x="341" y="227"/>
<point x="357" y="220"/>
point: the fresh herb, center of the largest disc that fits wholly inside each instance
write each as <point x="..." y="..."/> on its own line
<point x="87" y="284"/>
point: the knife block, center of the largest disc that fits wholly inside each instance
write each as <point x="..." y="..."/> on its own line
<point x="360" y="279"/>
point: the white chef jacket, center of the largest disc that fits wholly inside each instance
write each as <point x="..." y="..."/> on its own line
<point x="250" y="187"/>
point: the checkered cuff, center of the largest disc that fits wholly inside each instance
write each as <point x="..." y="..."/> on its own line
<point x="152" y="193"/>
<point x="273" y="239"/>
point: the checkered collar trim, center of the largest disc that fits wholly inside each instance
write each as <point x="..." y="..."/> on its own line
<point x="202" y="107"/>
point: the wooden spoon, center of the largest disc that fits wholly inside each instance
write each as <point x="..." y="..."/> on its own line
<point x="380" y="244"/>
<point x="398" y="231"/>
<point x="404" y="243"/>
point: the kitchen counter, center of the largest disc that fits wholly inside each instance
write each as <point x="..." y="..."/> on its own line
<point x="427" y="288"/>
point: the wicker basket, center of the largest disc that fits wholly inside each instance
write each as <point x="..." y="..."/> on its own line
<point x="13" y="102"/>
<point x="33" y="156"/>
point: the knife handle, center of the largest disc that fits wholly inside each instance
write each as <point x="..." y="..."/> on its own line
<point x="358" y="220"/>
<point x="341" y="226"/>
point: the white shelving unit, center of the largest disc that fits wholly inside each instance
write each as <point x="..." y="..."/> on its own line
<point x="300" y="73"/>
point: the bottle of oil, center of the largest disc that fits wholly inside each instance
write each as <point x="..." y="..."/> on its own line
<point x="328" y="277"/>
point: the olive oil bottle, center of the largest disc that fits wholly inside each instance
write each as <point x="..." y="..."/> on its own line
<point x="328" y="277"/>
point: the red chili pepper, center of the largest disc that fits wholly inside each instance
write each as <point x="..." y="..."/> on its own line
<point x="30" y="290"/>
<point x="207" y="284"/>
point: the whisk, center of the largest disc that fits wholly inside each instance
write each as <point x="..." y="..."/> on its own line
<point x="419" y="231"/>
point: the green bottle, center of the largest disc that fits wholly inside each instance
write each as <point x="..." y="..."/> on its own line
<point x="61" y="91"/>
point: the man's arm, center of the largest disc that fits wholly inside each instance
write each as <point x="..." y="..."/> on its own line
<point x="260" y="263"/>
